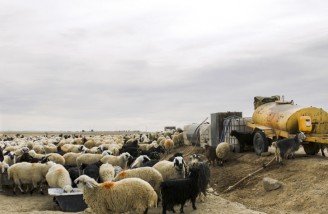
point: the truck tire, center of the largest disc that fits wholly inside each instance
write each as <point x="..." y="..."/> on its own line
<point x="260" y="142"/>
<point x="311" y="148"/>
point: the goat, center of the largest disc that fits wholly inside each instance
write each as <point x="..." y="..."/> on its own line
<point x="244" y="139"/>
<point x="178" y="191"/>
<point x="210" y="154"/>
<point x="287" y="146"/>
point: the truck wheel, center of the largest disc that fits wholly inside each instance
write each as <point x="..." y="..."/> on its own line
<point x="311" y="148"/>
<point x="260" y="143"/>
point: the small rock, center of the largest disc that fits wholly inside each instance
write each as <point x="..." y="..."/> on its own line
<point x="210" y="189"/>
<point x="270" y="184"/>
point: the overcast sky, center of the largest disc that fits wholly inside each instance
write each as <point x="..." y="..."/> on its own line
<point x="142" y="65"/>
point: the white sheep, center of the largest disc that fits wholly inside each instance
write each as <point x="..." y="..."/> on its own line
<point x="149" y="174"/>
<point x="90" y="143"/>
<point x="4" y="167"/>
<point x="29" y="173"/>
<point x="34" y="154"/>
<point x="114" y="148"/>
<point x="39" y="149"/>
<point x="106" y="172"/>
<point x="146" y="146"/>
<point x="58" y="176"/>
<point x="73" y="148"/>
<point x="168" y="145"/>
<point x="70" y="158"/>
<point x="128" y="195"/>
<point x="222" y="152"/>
<point x="172" y="170"/>
<point x="121" y="160"/>
<point x="90" y="158"/>
<point x="56" y="158"/>
<point x="51" y="148"/>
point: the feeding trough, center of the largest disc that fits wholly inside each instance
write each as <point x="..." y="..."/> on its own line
<point x="4" y="181"/>
<point x="68" y="202"/>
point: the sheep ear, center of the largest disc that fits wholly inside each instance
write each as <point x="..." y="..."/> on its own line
<point x="88" y="184"/>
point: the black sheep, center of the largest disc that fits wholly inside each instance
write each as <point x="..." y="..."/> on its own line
<point x="158" y="149"/>
<point x="179" y="191"/>
<point x="73" y="173"/>
<point x="1" y="154"/>
<point x="133" y="151"/>
<point x="150" y="163"/>
<point x="91" y="170"/>
<point x="244" y="139"/>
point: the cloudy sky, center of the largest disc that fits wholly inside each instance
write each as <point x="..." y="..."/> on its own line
<point x="142" y="65"/>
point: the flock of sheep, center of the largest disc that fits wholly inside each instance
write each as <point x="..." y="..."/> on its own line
<point x="110" y="169"/>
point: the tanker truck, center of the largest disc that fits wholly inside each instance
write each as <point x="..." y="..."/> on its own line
<point x="274" y="119"/>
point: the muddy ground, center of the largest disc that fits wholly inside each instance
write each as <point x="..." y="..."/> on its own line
<point x="304" y="188"/>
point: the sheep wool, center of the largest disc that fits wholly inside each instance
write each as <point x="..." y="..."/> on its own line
<point x="112" y="197"/>
<point x="106" y="172"/>
<point x="58" y="176"/>
<point x="149" y="174"/>
<point x="29" y="173"/>
<point x="222" y="151"/>
<point x="56" y="158"/>
<point x="169" y="170"/>
<point x="168" y="145"/>
<point x="70" y="158"/>
<point x="121" y="160"/>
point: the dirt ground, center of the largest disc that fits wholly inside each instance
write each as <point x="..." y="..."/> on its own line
<point x="304" y="188"/>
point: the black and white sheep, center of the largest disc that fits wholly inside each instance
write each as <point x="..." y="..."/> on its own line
<point x="139" y="161"/>
<point x="171" y="170"/>
<point x="128" y="195"/>
<point x="287" y="146"/>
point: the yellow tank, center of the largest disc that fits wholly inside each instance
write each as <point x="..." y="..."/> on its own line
<point x="285" y="116"/>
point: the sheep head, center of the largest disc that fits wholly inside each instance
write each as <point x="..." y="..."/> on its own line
<point x="179" y="163"/>
<point x="68" y="188"/>
<point x="86" y="181"/>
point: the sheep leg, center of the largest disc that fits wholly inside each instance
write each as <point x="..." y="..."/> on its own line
<point x="323" y="151"/>
<point x="14" y="189"/>
<point x="34" y="186"/>
<point x="242" y="147"/>
<point x="146" y="211"/>
<point x="164" y="205"/>
<point x="17" y="183"/>
<point x="41" y="189"/>
<point x="193" y="201"/>
<point x="181" y="208"/>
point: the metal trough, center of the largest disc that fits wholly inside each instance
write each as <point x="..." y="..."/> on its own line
<point x="68" y="202"/>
